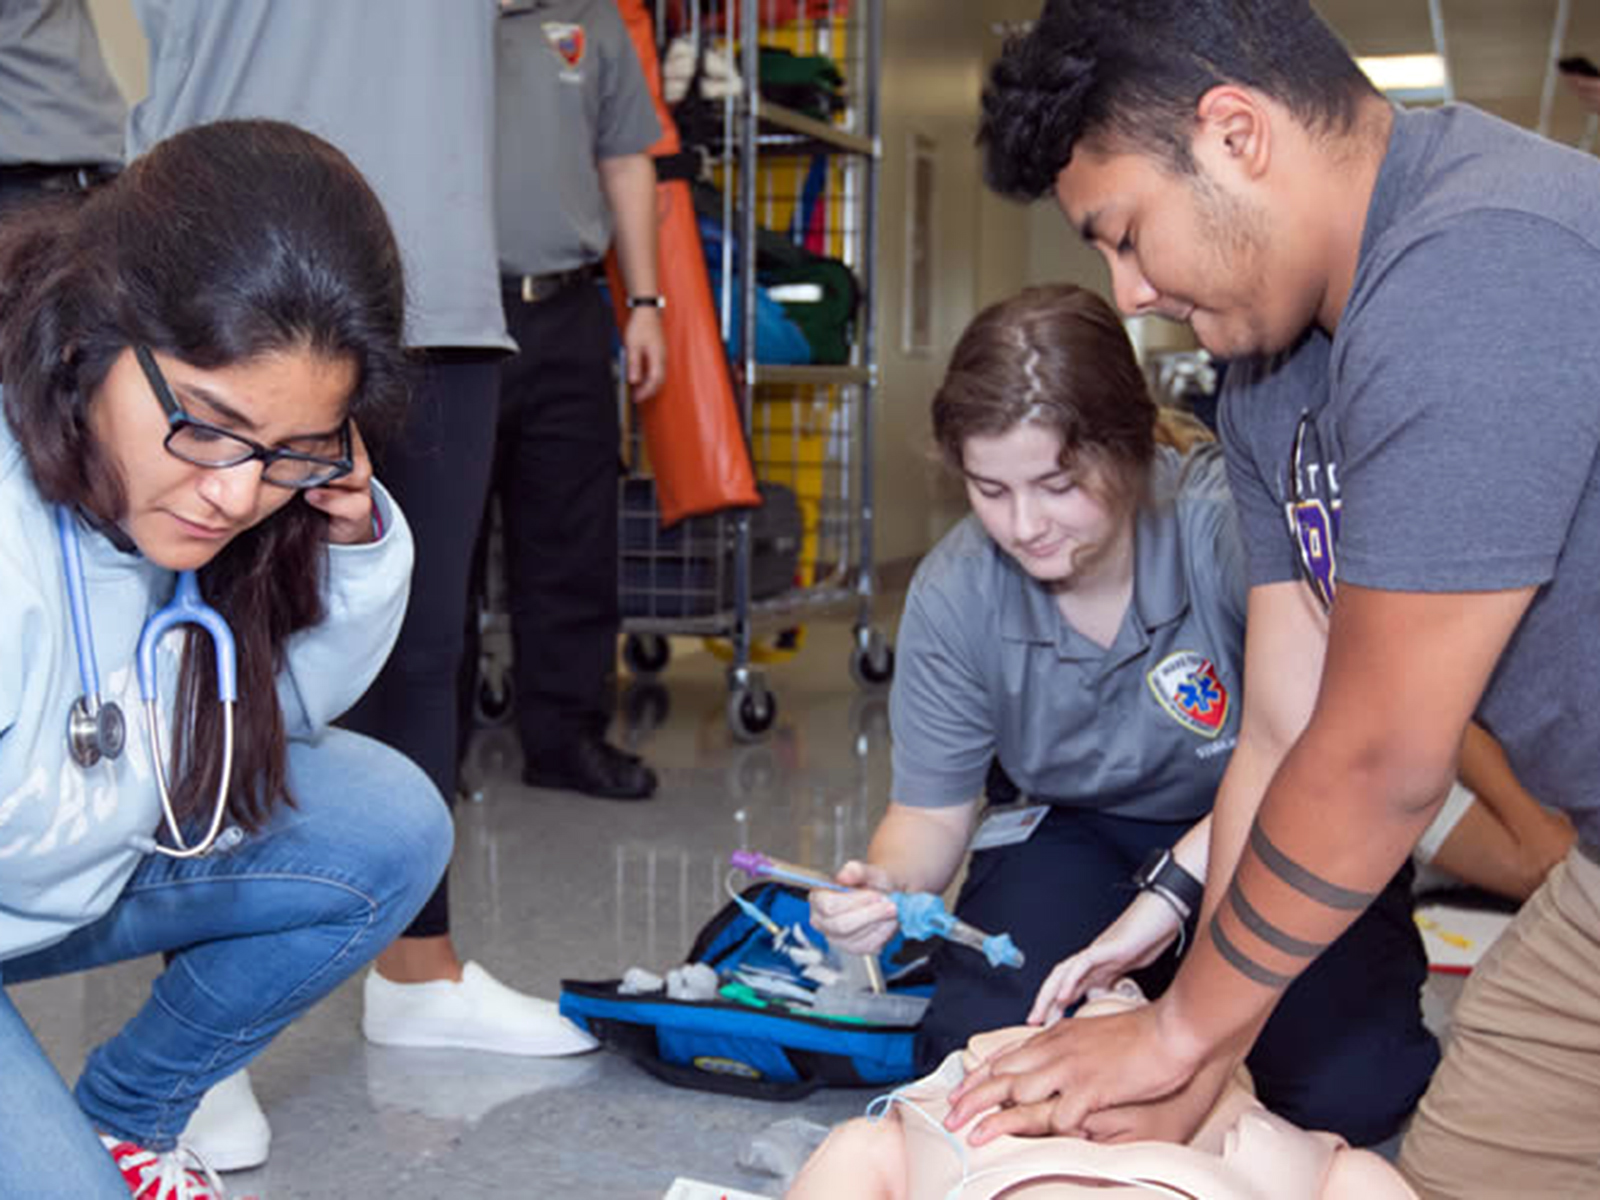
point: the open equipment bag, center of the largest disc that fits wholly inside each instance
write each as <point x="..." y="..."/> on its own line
<point x="736" y="1048"/>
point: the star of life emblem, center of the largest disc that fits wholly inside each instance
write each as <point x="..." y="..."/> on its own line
<point x="567" y="40"/>
<point x="1188" y="688"/>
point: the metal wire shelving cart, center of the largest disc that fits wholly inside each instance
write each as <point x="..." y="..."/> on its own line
<point x="743" y="575"/>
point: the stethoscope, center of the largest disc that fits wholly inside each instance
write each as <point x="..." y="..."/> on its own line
<point x="95" y="727"/>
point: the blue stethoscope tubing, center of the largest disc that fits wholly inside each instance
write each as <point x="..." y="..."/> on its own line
<point x="185" y="608"/>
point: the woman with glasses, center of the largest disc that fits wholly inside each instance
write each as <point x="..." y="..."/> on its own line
<point x="1084" y="627"/>
<point x="189" y="358"/>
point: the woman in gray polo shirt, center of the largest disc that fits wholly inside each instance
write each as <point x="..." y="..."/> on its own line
<point x="1084" y="629"/>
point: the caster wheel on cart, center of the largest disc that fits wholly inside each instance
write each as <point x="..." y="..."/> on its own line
<point x="751" y="713"/>
<point x="872" y="664"/>
<point x="494" y="701"/>
<point x="646" y="654"/>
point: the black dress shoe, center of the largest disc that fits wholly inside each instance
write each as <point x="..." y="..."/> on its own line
<point x="594" y="767"/>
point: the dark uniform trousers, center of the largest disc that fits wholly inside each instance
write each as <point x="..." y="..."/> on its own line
<point x="1346" y="1049"/>
<point x="556" y="470"/>
<point x="437" y="468"/>
<point x="28" y="184"/>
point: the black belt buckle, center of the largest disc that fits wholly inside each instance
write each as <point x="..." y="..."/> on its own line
<point x="531" y="289"/>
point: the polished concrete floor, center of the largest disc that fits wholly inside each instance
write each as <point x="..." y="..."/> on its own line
<point x="550" y="886"/>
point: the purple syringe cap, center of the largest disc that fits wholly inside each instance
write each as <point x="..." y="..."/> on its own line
<point x="751" y="862"/>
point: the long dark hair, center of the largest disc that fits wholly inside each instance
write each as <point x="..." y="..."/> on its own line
<point x="1057" y="357"/>
<point x="224" y="243"/>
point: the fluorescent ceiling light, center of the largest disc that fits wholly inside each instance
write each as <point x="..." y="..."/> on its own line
<point x="1407" y="76"/>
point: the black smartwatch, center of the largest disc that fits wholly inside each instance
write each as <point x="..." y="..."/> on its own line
<point x="1164" y="875"/>
<point x="647" y="302"/>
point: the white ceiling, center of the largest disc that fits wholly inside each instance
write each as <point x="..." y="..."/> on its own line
<point x="1497" y="48"/>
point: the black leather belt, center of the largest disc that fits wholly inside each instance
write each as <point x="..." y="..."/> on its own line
<point x="58" y="177"/>
<point x="531" y="289"/>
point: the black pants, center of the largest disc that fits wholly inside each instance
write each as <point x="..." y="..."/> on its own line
<point x="437" y="468"/>
<point x="20" y="188"/>
<point x="1346" y="1049"/>
<point x="556" y="469"/>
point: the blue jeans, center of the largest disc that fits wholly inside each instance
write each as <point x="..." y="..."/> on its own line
<point x="260" y="931"/>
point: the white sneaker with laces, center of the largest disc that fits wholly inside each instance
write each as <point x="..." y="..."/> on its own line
<point x="229" y="1130"/>
<point x="479" y="1013"/>
<point x="164" y="1176"/>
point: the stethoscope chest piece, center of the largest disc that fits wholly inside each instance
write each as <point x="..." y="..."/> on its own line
<point x="92" y="736"/>
<point x="96" y="728"/>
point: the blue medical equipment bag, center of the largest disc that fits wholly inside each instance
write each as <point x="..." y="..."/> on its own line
<point x="765" y="1053"/>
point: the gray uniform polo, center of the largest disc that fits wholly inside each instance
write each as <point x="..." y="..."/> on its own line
<point x="58" y="104"/>
<point x="989" y="667"/>
<point x="569" y="92"/>
<point x="404" y="87"/>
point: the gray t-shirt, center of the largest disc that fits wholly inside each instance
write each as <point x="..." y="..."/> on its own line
<point x="58" y="104"/>
<point x="569" y="91"/>
<point x="1454" y="422"/>
<point x="988" y="666"/>
<point x="404" y="87"/>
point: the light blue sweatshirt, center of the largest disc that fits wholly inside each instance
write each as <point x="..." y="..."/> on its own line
<point x="70" y="836"/>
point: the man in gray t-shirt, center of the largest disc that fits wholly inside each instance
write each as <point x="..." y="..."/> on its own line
<point x="1422" y="456"/>
<point x="60" y="112"/>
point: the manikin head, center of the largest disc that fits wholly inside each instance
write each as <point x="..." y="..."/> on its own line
<point x="1204" y="147"/>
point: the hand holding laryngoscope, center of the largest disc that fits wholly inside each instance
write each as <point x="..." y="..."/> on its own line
<point x="921" y="914"/>
<point x="96" y="728"/>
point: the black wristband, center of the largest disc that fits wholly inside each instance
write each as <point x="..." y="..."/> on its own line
<point x="1165" y="875"/>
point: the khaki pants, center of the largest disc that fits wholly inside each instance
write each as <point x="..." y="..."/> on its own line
<point x="1514" y="1110"/>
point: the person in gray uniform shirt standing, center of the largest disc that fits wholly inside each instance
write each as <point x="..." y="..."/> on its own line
<point x="574" y="119"/>
<point x="61" y="114"/>
<point x="405" y="88"/>
<point x="1085" y="627"/>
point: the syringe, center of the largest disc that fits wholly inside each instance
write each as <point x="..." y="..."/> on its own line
<point x="922" y="914"/>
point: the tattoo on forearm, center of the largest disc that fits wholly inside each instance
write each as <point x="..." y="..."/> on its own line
<point x="1302" y="880"/>
<point x="1266" y="930"/>
<point x="1243" y="963"/>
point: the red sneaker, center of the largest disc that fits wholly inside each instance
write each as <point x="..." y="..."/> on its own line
<point x="176" y="1174"/>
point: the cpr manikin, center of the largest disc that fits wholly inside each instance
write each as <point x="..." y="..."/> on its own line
<point x="1241" y="1152"/>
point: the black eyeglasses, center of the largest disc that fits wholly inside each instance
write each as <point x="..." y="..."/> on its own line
<point x="205" y="445"/>
<point x="1311" y="525"/>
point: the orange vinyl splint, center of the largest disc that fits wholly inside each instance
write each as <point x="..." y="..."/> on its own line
<point x="692" y="430"/>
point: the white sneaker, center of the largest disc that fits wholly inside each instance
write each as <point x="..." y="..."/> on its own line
<point x="229" y="1130"/>
<point x="479" y="1013"/>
